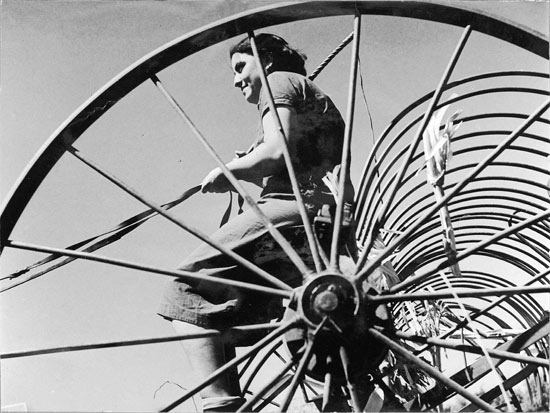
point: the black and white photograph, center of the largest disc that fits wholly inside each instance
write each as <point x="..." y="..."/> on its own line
<point x="268" y="206"/>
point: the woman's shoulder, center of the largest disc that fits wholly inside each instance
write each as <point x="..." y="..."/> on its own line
<point x="286" y="79"/>
<point x="294" y="82"/>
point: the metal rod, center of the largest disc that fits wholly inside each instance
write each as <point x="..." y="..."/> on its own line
<point x="234" y="362"/>
<point x="414" y="144"/>
<point x="457" y="188"/>
<point x="460" y="292"/>
<point x="366" y="183"/>
<point x="459" y="346"/>
<point x="479" y="341"/>
<point x="298" y="374"/>
<point x="172" y="218"/>
<point x="369" y="183"/>
<point x="127" y="343"/>
<point x="481" y="312"/>
<point x="466" y="253"/>
<point x="331" y="56"/>
<point x="259" y="365"/>
<point x="148" y="268"/>
<point x="350" y="385"/>
<point x="268" y="386"/>
<point x="344" y="166"/>
<point x="436" y="374"/>
<point x="286" y="154"/>
<point x="285" y="245"/>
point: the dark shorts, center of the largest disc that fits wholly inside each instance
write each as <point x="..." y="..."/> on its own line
<point x="210" y="305"/>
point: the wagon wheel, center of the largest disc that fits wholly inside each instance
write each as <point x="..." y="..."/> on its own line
<point x="379" y="331"/>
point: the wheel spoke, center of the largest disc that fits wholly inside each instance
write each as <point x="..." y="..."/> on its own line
<point x="480" y="368"/>
<point x="380" y="219"/>
<point x="286" y="154"/>
<point x="349" y="383"/>
<point x="460" y="293"/>
<point x="277" y="381"/>
<point x="148" y="268"/>
<point x="485" y="310"/>
<point x="285" y="245"/>
<point x="458" y="300"/>
<point x="300" y="371"/>
<point x="460" y="346"/>
<point x="96" y="242"/>
<point x="172" y="218"/>
<point x="259" y="365"/>
<point x="126" y="343"/>
<point x="436" y="374"/>
<point x="508" y="385"/>
<point x="236" y="361"/>
<point x="345" y="164"/>
<point x="298" y="375"/>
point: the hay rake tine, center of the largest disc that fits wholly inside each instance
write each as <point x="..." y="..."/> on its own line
<point x="459" y="186"/>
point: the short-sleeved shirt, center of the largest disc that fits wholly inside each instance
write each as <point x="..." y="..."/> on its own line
<point x="317" y="139"/>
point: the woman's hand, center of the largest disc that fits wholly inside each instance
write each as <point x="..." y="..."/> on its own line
<point x="215" y="181"/>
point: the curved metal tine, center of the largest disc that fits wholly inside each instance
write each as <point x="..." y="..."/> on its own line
<point x="344" y="168"/>
<point x="481" y="312"/>
<point x="275" y="233"/>
<point x="298" y="374"/>
<point x="436" y="374"/>
<point x="460" y="346"/>
<point x="260" y="393"/>
<point x="412" y="148"/>
<point x="137" y="342"/>
<point x="456" y="293"/>
<point x="148" y="268"/>
<point x="365" y="220"/>
<point x="300" y="371"/>
<point x="286" y="154"/>
<point x="520" y="300"/>
<point x="509" y="384"/>
<point x="481" y="198"/>
<point x="272" y="350"/>
<point x="453" y="192"/>
<point x="466" y="253"/>
<point x="479" y="342"/>
<point x="171" y="217"/>
<point x="234" y="362"/>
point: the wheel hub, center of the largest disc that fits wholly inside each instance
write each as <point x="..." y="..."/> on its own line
<point x="329" y="295"/>
<point x="337" y="316"/>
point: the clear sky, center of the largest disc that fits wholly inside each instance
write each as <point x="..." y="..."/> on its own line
<point x="54" y="55"/>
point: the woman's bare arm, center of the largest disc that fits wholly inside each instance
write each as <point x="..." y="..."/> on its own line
<point x="265" y="160"/>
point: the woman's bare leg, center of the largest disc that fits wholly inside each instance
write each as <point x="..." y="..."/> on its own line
<point x="205" y="356"/>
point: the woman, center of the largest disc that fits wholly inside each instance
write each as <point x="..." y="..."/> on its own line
<point x="314" y="130"/>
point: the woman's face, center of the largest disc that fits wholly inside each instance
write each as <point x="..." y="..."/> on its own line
<point x="247" y="76"/>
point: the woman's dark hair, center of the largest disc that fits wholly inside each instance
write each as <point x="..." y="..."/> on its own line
<point x="284" y="57"/>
